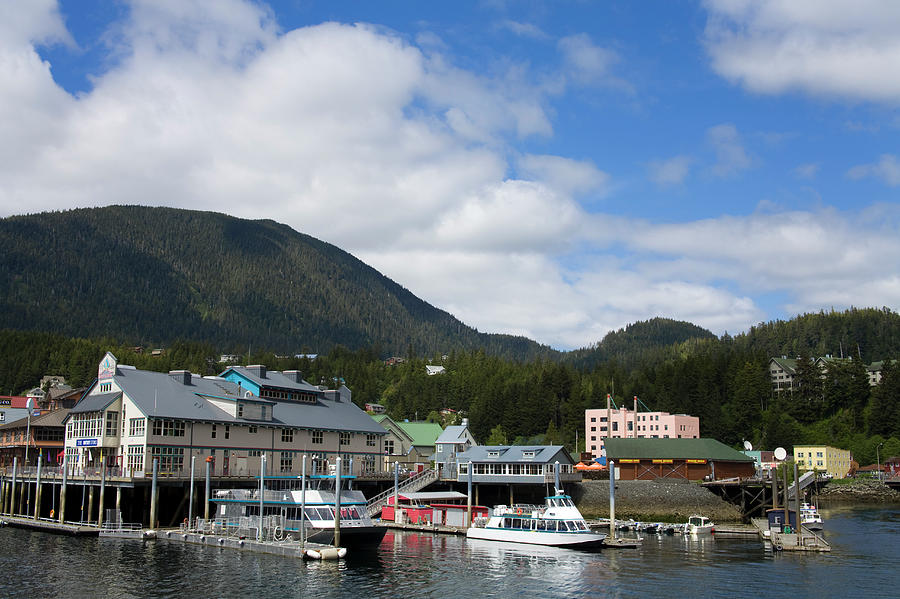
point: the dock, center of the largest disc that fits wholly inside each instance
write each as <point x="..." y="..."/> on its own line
<point x="285" y="548"/>
<point x="54" y="526"/>
<point x="804" y="540"/>
<point x="438" y="528"/>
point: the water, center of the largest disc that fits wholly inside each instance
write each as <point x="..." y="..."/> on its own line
<point x="865" y="553"/>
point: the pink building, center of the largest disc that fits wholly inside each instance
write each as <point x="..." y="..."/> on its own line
<point x="629" y="424"/>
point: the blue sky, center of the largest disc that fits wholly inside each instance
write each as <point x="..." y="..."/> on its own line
<point x="555" y="170"/>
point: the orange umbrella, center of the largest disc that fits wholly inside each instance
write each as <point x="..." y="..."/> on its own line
<point x="581" y="466"/>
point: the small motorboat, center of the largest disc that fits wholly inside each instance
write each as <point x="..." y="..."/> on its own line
<point x="698" y="525"/>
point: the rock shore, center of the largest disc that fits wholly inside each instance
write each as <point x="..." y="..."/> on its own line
<point x="859" y="491"/>
<point x="652" y="500"/>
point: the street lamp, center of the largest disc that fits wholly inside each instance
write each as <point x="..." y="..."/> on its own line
<point x="878" y="459"/>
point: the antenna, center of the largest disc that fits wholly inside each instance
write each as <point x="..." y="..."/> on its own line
<point x="748" y="446"/>
<point x="780" y="453"/>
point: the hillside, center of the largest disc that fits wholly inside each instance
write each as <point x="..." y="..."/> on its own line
<point x="153" y="275"/>
<point x="638" y="342"/>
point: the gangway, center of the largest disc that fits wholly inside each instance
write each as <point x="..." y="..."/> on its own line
<point x="805" y="480"/>
<point x="414" y="483"/>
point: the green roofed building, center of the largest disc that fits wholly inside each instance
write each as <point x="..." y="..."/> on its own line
<point x="409" y="443"/>
<point x="688" y="459"/>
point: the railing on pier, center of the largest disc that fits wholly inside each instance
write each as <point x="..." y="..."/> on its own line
<point x="414" y="483"/>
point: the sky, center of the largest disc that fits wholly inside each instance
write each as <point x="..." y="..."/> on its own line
<point x="549" y="169"/>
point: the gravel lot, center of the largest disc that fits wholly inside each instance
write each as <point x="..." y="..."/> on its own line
<point x="645" y="500"/>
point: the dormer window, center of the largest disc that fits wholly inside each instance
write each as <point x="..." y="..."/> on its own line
<point x="528" y="454"/>
<point x="240" y="410"/>
<point x="493" y="454"/>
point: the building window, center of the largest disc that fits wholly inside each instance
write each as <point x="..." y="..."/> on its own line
<point x="227" y="431"/>
<point x="136" y="427"/>
<point x="252" y="430"/>
<point x="318" y="438"/>
<point x="240" y="410"/>
<point x="171" y="459"/>
<point x="527" y="454"/>
<point x="135" y="457"/>
<point x="371" y="440"/>
<point x="105" y="387"/>
<point x="168" y="428"/>
<point x="287" y="435"/>
<point x="213" y="433"/>
<point x="254" y="453"/>
<point x="112" y="423"/>
<point x="287" y="461"/>
<point x="389" y="446"/>
<point x="345" y="438"/>
<point x="593" y="420"/>
<point x="593" y="428"/>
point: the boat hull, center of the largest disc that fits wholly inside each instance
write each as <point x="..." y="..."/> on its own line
<point x="547" y="539"/>
<point x="355" y="537"/>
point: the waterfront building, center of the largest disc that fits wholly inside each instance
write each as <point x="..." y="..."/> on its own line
<point x="625" y="423"/>
<point x="410" y="443"/>
<point x="455" y="440"/>
<point x="516" y="464"/>
<point x="43" y="437"/>
<point x="824" y="459"/>
<point x="764" y="460"/>
<point x="686" y="459"/>
<point x="129" y="417"/>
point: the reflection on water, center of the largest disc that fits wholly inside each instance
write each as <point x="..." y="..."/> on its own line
<point x="866" y="550"/>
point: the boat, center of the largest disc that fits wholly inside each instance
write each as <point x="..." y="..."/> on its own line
<point x="698" y="525"/>
<point x="283" y="498"/>
<point x="557" y="523"/>
<point x="810" y="518"/>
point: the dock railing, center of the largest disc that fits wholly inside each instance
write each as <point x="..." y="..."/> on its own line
<point x="414" y="483"/>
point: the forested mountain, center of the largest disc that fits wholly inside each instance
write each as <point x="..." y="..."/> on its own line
<point x="150" y="276"/>
<point x="76" y="284"/>
<point x="638" y="341"/>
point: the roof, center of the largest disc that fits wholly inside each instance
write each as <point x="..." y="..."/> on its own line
<point x="507" y="454"/>
<point x="13" y="401"/>
<point x="95" y="403"/>
<point x="272" y="378"/>
<point x="159" y="394"/>
<point x="433" y="495"/>
<point x="54" y="418"/>
<point x="704" y="448"/>
<point x="453" y="434"/>
<point x="787" y="364"/>
<point x="422" y="433"/>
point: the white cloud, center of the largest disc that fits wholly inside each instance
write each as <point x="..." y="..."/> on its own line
<point x="586" y="63"/>
<point x="672" y="171"/>
<point x="355" y="136"/>
<point x="731" y="158"/>
<point x="568" y="176"/>
<point x="528" y="30"/>
<point x="829" y="48"/>
<point x="887" y="168"/>
<point x="807" y="171"/>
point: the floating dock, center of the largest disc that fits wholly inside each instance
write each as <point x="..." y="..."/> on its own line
<point x="284" y="548"/>
<point x="804" y="540"/>
<point x="54" y="526"/>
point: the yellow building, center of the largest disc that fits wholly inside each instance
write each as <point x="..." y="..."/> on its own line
<point x="823" y="458"/>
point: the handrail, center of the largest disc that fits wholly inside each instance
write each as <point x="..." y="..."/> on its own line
<point x="418" y="481"/>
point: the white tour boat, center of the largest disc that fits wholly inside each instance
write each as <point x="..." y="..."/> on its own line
<point x="284" y="497"/>
<point x="810" y="518"/>
<point x="698" y="525"/>
<point x="558" y="523"/>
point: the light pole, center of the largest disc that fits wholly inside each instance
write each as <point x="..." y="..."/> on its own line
<point x="878" y="459"/>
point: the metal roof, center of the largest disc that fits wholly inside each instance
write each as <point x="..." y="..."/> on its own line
<point x="433" y="495"/>
<point x="273" y="378"/>
<point x="95" y="403"/>
<point x="159" y="394"/>
<point x="508" y="454"/>
<point x="687" y="449"/>
<point x="452" y="434"/>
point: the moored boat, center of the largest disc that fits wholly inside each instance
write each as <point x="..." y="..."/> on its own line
<point x="698" y="525"/>
<point x="810" y="518"/>
<point x="284" y="498"/>
<point x="558" y="523"/>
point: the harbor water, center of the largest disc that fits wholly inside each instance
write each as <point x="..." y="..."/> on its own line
<point x="865" y="541"/>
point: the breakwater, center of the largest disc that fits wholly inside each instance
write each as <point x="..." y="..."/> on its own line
<point x="652" y="500"/>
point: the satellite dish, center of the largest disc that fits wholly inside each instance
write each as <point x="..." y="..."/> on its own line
<point x="780" y="453"/>
<point x="748" y="445"/>
<point x="248" y="394"/>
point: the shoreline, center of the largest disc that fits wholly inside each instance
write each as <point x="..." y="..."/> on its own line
<point x="675" y="501"/>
